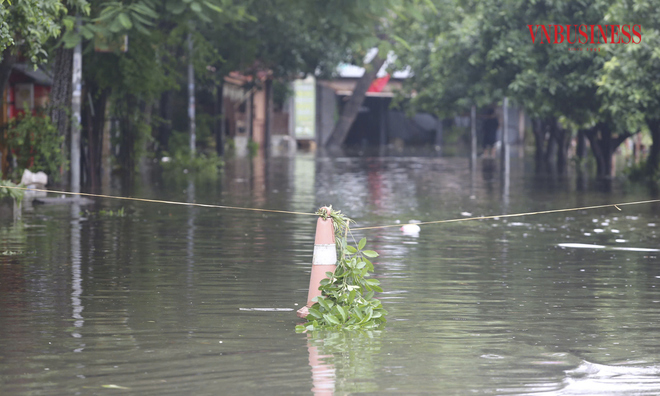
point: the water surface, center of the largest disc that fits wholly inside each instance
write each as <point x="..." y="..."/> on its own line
<point x="180" y="300"/>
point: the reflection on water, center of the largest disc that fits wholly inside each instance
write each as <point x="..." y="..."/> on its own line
<point x="323" y="372"/>
<point x="177" y="300"/>
<point x="343" y="362"/>
<point x="76" y="279"/>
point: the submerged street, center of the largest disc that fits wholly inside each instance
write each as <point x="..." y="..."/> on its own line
<point x="164" y="299"/>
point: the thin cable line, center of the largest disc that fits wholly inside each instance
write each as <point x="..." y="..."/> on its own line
<point x="161" y="201"/>
<point x="514" y="214"/>
<point x="314" y="214"/>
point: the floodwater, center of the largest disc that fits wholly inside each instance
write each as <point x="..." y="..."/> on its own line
<point x="175" y="300"/>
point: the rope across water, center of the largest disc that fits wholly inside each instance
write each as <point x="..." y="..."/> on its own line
<point x="617" y="206"/>
<point x="516" y="214"/>
<point x="159" y="201"/>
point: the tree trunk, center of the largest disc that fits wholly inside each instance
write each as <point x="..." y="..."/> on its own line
<point x="596" y="148"/>
<point x="95" y="124"/>
<point x="219" y="120"/>
<point x="6" y="65"/>
<point x="539" y="142"/>
<point x="603" y="145"/>
<point x="563" y="139"/>
<point x="8" y="60"/>
<point x="165" y="129"/>
<point x="581" y="149"/>
<point x="127" y="134"/>
<point x="654" y="154"/>
<point x="551" y="145"/>
<point x="352" y="107"/>
<point x="191" y="98"/>
<point x="60" y="93"/>
<point x="269" y="115"/>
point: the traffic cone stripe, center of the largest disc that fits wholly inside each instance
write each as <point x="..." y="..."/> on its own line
<point x="325" y="254"/>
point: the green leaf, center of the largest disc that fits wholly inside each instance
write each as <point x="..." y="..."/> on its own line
<point x="369" y="312"/>
<point x="324" y="303"/>
<point x="116" y="26"/>
<point x="196" y="7"/>
<point x="142" y="29"/>
<point x="402" y="42"/>
<point x="360" y="265"/>
<point x="144" y="10"/>
<point x="370" y="266"/>
<point x="125" y="21"/>
<point x="350" y="249"/>
<point x="213" y="7"/>
<point x="372" y="282"/>
<point x="352" y="263"/>
<point x="176" y="7"/>
<point x="343" y="312"/>
<point x="315" y="313"/>
<point x="86" y="33"/>
<point x="370" y="253"/>
<point x="138" y="18"/>
<point x="331" y="318"/>
<point x="430" y="4"/>
<point x="69" y="23"/>
<point x="362" y="243"/>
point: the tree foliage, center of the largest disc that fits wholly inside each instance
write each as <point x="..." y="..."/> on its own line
<point x="26" y="25"/>
<point x="463" y="53"/>
<point x="475" y="53"/>
<point x="35" y="145"/>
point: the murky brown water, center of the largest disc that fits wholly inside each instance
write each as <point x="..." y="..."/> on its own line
<point x="162" y="301"/>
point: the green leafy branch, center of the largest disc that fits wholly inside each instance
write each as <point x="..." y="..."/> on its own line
<point x="347" y="295"/>
<point x="16" y="194"/>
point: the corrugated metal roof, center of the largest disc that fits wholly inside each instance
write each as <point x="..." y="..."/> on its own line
<point x="39" y="76"/>
<point x="345" y="70"/>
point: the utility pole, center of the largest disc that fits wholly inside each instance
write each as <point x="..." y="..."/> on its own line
<point x="506" y="166"/>
<point x="75" y="108"/>
<point x="191" y="95"/>
<point x="505" y="135"/>
<point x="473" y="138"/>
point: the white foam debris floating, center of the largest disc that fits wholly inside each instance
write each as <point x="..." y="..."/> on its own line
<point x="590" y="246"/>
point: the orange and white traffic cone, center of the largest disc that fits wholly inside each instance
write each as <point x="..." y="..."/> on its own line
<point x="324" y="260"/>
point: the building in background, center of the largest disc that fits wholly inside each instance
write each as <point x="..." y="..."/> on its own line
<point x="27" y="90"/>
<point x="255" y="111"/>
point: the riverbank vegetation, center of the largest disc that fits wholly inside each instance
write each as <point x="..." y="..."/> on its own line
<point x="475" y="53"/>
<point x="138" y="57"/>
